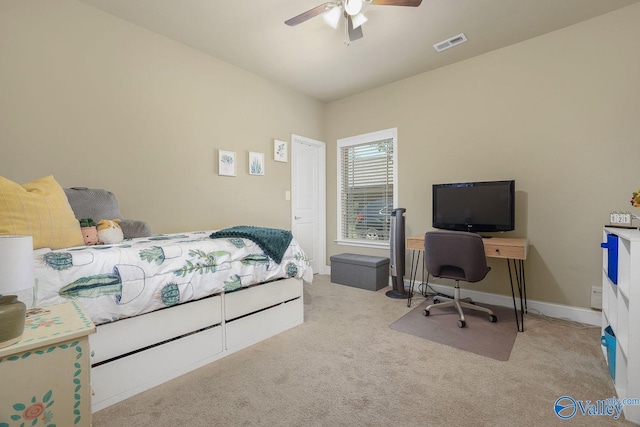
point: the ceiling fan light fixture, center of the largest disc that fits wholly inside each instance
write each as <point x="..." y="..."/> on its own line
<point x="353" y="7"/>
<point x="332" y="17"/>
<point x="358" y="20"/>
<point x="350" y="11"/>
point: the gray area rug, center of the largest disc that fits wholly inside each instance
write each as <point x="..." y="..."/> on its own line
<point x="494" y="340"/>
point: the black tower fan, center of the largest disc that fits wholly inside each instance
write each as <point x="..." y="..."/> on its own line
<point x="397" y="248"/>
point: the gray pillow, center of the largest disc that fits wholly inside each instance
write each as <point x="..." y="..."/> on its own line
<point x="93" y="203"/>
<point x="132" y="228"/>
<point x="102" y="204"/>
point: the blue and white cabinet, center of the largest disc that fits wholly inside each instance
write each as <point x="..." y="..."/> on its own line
<point x="621" y="311"/>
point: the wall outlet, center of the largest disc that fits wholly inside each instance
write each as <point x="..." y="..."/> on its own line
<point x="596" y="297"/>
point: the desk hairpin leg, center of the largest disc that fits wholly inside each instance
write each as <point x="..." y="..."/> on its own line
<point x="414" y="274"/>
<point x="518" y="271"/>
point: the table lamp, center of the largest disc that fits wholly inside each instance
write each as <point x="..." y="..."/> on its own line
<point x="16" y="274"/>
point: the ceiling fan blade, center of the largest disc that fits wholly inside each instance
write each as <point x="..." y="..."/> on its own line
<point x="412" y="3"/>
<point x="318" y="10"/>
<point x="354" y="33"/>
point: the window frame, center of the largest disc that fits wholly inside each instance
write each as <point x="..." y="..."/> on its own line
<point x="391" y="133"/>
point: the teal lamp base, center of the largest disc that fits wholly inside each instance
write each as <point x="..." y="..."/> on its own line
<point x="12" y="317"/>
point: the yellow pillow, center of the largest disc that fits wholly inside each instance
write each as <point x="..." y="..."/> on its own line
<point x="39" y="209"/>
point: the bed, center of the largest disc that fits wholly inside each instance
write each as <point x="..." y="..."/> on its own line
<point x="165" y="305"/>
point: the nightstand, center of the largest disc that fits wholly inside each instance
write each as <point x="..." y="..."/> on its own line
<point x="46" y="374"/>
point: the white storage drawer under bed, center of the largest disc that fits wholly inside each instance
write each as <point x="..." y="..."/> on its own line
<point x="254" y="298"/>
<point x="135" y="333"/>
<point x="125" y="377"/>
<point x="246" y="331"/>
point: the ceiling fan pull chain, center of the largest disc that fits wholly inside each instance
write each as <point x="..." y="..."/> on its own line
<point x="346" y="29"/>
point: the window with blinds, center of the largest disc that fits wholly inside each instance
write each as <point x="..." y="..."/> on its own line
<point x="367" y="180"/>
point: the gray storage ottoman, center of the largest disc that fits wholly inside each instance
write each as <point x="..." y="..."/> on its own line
<point x="360" y="271"/>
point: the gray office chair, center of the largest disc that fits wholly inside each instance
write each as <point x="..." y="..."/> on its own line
<point x="459" y="256"/>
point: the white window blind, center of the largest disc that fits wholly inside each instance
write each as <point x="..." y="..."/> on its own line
<point x="366" y="187"/>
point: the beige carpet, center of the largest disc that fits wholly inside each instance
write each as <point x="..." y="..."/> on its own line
<point x="345" y="367"/>
<point x="494" y="340"/>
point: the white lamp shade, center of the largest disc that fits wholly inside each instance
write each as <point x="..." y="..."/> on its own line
<point x="16" y="264"/>
<point x="358" y="20"/>
<point x="332" y="17"/>
<point x="353" y="7"/>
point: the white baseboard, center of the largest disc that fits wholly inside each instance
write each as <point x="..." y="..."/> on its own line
<point x="559" y="311"/>
<point x="324" y="270"/>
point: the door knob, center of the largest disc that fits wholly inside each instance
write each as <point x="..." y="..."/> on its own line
<point x="297" y="217"/>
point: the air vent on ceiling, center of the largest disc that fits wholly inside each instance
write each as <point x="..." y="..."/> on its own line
<point x="453" y="41"/>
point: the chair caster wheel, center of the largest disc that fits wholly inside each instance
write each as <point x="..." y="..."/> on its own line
<point x="493" y="318"/>
<point x="461" y="323"/>
<point x="426" y="312"/>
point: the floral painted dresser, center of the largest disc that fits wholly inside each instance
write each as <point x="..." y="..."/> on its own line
<point x="45" y="377"/>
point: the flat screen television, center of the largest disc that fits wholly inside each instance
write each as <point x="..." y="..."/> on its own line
<point x="487" y="206"/>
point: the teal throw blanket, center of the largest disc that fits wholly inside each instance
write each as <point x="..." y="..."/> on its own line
<point x="273" y="241"/>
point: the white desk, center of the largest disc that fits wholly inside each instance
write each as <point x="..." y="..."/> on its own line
<point x="514" y="250"/>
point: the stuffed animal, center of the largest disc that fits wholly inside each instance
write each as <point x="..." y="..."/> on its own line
<point x="89" y="231"/>
<point x="109" y="231"/>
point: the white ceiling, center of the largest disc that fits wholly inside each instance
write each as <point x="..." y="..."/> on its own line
<point x="312" y="57"/>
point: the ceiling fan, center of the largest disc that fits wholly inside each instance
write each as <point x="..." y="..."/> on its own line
<point x="350" y="11"/>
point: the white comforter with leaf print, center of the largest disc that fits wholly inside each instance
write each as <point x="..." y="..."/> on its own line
<point x="144" y="274"/>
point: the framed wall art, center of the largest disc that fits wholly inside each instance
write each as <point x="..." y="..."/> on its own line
<point x="280" y="151"/>
<point x="226" y="163"/>
<point x="256" y="163"/>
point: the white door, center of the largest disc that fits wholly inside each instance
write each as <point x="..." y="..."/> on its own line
<point x="308" y="219"/>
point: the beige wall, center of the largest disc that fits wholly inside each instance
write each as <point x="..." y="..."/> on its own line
<point x="98" y="102"/>
<point x="560" y="114"/>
